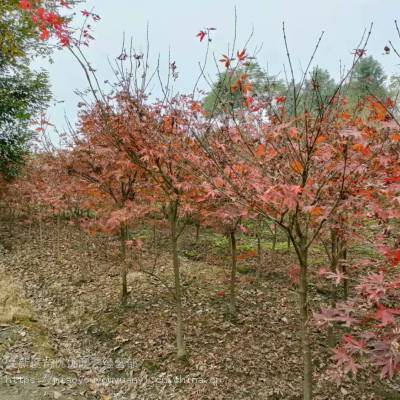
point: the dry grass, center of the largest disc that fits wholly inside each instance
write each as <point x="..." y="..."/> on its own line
<point x="13" y="305"/>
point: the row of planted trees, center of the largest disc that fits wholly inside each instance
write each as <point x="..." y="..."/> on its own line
<point x="321" y="178"/>
<point x="324" y="173"/>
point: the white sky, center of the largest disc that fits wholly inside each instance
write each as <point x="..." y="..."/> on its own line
<point x="174" y="24"/>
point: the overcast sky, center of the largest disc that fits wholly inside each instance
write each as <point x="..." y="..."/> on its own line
<point x="174" y="24"/>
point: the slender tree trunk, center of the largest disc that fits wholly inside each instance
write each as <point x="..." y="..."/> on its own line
<point x="304" y="329"/>
<point x="274" y="240"/>
<point x="40" y="233"/>
<point x="124" y="270"/>
<point x="344" y="270"/>
<point x="334" y="267"/>
<point x="58" y="236"/>
<point x="259" y="250"/>
<point x="154" y="236"/>
<point x="232" y="284"/>
<point x="197" y="231"/>
<point x="259" y="257"/>
<point x="180" y="340"/>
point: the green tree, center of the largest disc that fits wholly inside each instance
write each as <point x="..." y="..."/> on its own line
<point x="319" y="88"/>
<point x="18" y="34"/>
<point x="368" y="79"/>
<point x="222" y="99"/>
<point x="312" y="94"/>
<point x="23" y="93"/>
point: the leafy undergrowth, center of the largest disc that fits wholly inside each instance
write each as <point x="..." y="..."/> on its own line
<point x="75" y="320"/>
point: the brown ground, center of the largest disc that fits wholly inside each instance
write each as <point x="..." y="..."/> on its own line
<point x="64" y="308"/>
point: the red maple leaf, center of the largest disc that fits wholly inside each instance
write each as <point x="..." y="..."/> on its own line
<point x="201" y="35"/>
<point x="241" y="55"/>
<point x="360" y="52"/>
<point x="352" y="344"/>
<point x="65" y="4"/>
<point x="395" y="179"/>
<point x="386" y="315"/>
<point x="25" y="4"/>
<point x="225" y="60"/>
<point x="45" y="34"/>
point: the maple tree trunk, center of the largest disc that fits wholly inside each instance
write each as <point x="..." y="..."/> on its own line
<point x="304" y="330"/>
<point x="40" y="233"/>
<point x="124" y="270"/>
<point x="274" y="240"/>
<point x="58" y="236"/>
<point x="232" y="284"/>
<point x="259" y="250"/>
<point x="334" y="266"/>
<point x="259" y="258"/>
<point x="197" y="231"/>
<point x="154" y="236"/>
<point x="344" y="270"/>
<point x="180" y="340"/>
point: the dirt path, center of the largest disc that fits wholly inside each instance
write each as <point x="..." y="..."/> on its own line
<point x="29" y="367"/>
